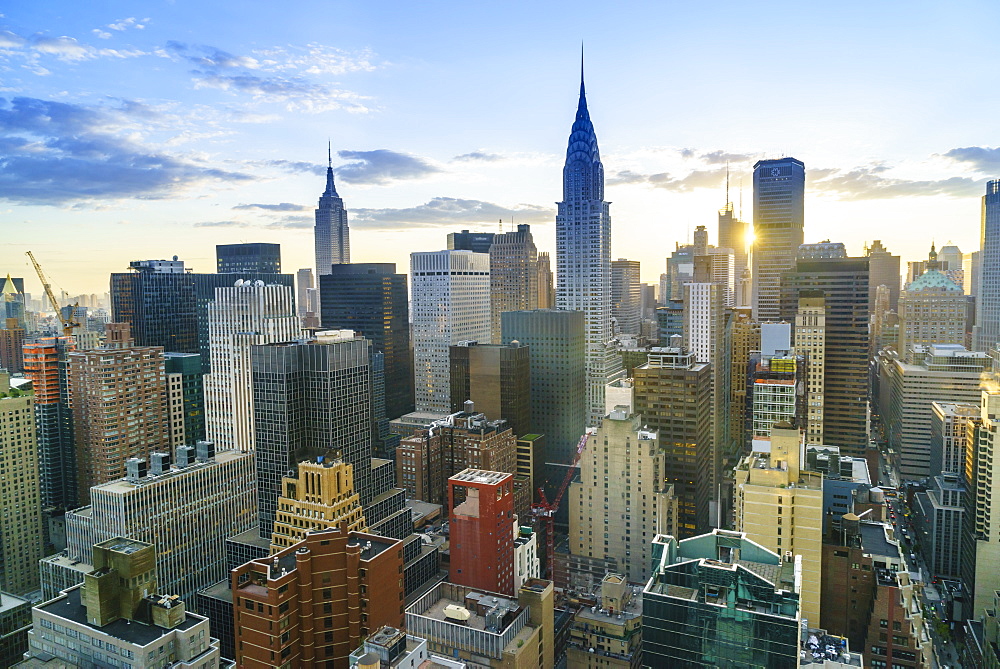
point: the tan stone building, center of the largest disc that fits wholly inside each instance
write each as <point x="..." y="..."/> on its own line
<point x="810" y="339"/>
<point x="513" y="275"/>
<point x="20" y="496"/>
<point x="932" y="309"/>
<point x="319" y="498"/>
<point x="780" y="507"/>
<point x="622" y="499"/>
<point x="608" y="633"/>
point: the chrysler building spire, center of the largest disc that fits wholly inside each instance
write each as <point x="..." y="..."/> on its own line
<point x="332" y="235"/>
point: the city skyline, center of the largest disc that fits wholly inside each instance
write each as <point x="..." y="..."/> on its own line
<point x="133" y="137"/>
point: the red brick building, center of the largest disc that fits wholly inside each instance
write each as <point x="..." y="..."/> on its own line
<point x="312" y="604"/>
<point x="482" y="536"/>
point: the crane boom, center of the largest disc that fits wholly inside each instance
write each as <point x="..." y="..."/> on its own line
<point x="546" y="512"/>
<point x="68" y="322"/>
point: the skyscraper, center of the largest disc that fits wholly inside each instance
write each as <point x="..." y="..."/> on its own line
<point x="477" y="242"/>
<point x="137" y="423"/>
<point x="252" y="257"/>
<point x="635" y="461"/>
<point x="513" y="275"/>
<point x="241" y="316"/>
<point x="310" y="398"/>
<point x="371" y="299"/>
<point x="673" y="394"/>
<point x="451" y="303"/>
<point x="733" y="236"/>
<point x="626" y="298"/>
<point x="46" y="363"/>
<point x="778" y="216"/>
<point x="932" y="309"/>
<point x="810" y="340"/>
<point x="883" y="270"/>
<point x="21" y="536"/>
<point x="557" y="350"/>
<point x="986" y="333"/>
<point x="583" y="254"/>
<point x="497" y="379"/>
<point x="843" y="283"/>
<point x="157" y="299"/>
<point x="332" y="236"/>
<point x="546" y="287"/>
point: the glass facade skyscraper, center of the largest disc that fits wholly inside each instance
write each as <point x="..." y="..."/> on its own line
<point x="371" y="299"/>
<point x="310" y="398"/>
<point x="778" y="217"/>
<point x="557" y="369"/>
<point x="252" y="257"/>
<point x="986" y="332"/>
<point x="159" y="305"/>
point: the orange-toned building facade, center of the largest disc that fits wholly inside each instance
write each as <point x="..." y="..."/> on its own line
<point x="312" y="604"/>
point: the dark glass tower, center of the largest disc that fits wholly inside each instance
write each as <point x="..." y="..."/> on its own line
<point x="159" y="305"/>
<point x="371" y="299"/>
<point x="186" y="367"/>
<point x="557" y="368"/>
<point x="253" y="257"/>
<point x="986" y="332"/>
<point x="843" y="283"/>
<point x="778" y="217"/>
<point x="311" y="398"/>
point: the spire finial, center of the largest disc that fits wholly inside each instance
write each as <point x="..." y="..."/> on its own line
<point x="727" y="183"/>
<point x="581" y="65"/>
<point x="329" y="153"/>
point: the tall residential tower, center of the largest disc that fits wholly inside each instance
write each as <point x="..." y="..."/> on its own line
<point x="986" y="333"/>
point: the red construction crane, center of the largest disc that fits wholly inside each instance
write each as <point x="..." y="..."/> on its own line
<point x="546" y="512"/>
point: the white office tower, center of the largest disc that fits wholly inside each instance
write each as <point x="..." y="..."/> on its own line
<point x="449" y="303"/>
<point x="583" y="255"/>
<point x="305" y="287"/>
<point x="241" y="316"/>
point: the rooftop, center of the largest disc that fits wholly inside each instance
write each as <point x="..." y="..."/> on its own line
<point x="480" y="476"/>
<point x="875" y="541"/>
<point x="9" y="601"/>
<point x="826" y="651"/>
<point x="122" y="486"/>
<point x="373" y="545"/>
<point x="475" y="621"/>
<point x="68" y="607"/>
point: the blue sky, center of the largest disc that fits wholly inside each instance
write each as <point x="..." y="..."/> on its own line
<point x="128" y="133"/>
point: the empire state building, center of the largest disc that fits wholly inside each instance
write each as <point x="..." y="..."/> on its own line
<point x="583" y="254"/>
<point x="332" y="236"/>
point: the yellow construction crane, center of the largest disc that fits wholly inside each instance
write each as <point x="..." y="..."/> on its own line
<point x="68" y="322"/>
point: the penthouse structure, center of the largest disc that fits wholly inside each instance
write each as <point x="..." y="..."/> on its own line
<point x="608" y="633"/>
<point x="115" y="618"/>
<point x="489" y="628"/>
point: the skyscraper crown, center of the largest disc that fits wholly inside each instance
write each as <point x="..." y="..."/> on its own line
<point x="583" y="174"/>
